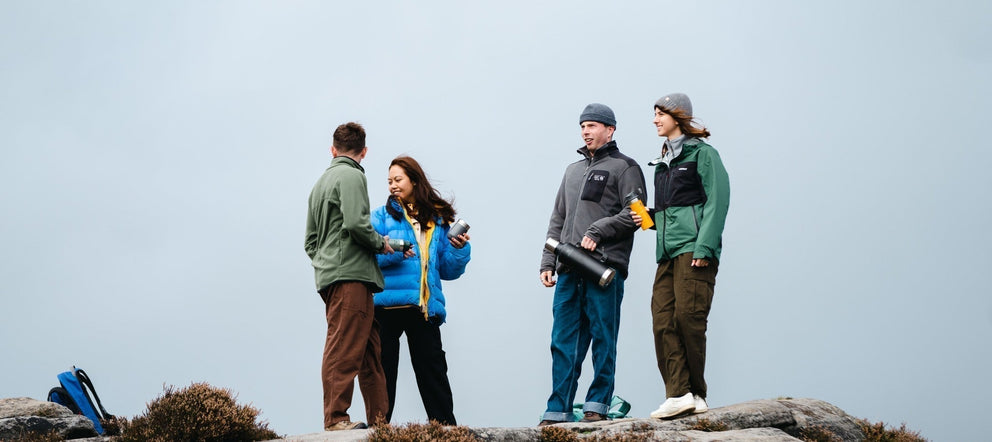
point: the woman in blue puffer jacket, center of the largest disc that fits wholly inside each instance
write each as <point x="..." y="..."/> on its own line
<point x="412" y="301"/>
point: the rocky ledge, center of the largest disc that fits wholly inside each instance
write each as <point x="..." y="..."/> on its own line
<point x="760" y="420"/>
<point x="21" y="415"/>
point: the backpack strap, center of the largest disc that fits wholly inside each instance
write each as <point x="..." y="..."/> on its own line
<point x="618" y="407"/>
<point x="62" y="397"/>
<point x="85" y="380"/>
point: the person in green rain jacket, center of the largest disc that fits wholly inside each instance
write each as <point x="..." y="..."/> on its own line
<point x="692" y="196"/>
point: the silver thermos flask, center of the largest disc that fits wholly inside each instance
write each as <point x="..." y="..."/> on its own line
<point x="457" y="228"/>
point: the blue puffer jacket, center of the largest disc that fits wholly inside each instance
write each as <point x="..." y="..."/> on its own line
<point x="402" y="275"/>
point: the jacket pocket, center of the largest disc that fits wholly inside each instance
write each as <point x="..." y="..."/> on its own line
<point x="699" y="284"/>
<point x="686" y="186"/>
<point x="702" y="297"/>
<point x="680" y="228"/>
<point x="595" y="185"/>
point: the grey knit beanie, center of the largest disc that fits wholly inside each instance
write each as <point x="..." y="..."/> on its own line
<point x="675" y="101"/>
<point x="598" y="112"/>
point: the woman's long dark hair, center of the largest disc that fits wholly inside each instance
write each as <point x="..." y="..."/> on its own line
<point x="426" y="199"/>
<point x="686" y="123"/>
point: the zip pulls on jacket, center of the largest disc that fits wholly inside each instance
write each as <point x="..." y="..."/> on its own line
<point x="667" y="183"/>
<point x="675" y="148"/>
<point x="665" y="197"/>
<point x="591" y="158"/>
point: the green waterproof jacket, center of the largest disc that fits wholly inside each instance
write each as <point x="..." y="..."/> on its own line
<point x="691" y="197"/>
<point x="340" y="239"/>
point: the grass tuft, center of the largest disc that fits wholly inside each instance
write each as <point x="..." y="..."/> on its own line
<point x="198" y="413"/>
<point x="553" y="433"/>
<point x="414" y="432"/>
<point x="878" y="432"/>
<point x="704" y="424"/>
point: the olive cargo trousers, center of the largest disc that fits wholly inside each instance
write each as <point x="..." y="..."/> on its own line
<point x="680" y="303"/>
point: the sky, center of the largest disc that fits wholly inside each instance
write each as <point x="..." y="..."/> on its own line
<point x="156" y="158"/>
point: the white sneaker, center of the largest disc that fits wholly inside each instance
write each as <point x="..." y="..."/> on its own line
<point x="675" y="406"/>
<point x="700" y="404"/>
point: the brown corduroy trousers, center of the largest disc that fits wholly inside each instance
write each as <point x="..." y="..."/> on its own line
<point x="680" y="303"/>
<point x="351" y="349"/>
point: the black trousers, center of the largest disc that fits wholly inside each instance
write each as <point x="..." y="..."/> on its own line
<point x="426" y="354"/>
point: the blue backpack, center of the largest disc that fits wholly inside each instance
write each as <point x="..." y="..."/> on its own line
<point x="73" y="394"/>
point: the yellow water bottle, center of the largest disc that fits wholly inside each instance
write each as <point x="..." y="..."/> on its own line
<point x="634" y="201"/>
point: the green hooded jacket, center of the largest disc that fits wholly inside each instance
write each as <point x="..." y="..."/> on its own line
<point x="692" y="197"/>
<point x="340" y="239"/>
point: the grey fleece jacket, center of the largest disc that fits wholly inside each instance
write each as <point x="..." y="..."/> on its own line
<point x="590" y="203"/>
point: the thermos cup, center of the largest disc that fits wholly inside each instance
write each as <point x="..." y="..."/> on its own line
<point x="634" y="201"/>
<point x="400" y="245"/>
<point x="578" y="259"/>
<point x="457" y="228"/>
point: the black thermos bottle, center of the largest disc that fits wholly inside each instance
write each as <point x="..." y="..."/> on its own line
<point x="578" y="259"/>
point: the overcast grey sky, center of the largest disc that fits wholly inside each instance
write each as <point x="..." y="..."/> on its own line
<point x="156" y="157"/>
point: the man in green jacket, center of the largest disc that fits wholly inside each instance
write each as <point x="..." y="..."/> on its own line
<point x="342" y="245"/>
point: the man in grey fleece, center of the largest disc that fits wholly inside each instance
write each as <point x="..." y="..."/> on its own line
<point x="589" y="211"/>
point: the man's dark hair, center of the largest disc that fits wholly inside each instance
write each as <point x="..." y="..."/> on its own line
<point x="349" y="138"/>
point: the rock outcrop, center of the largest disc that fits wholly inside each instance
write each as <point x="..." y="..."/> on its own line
<point x="21" y="415"/>
<point x="760" y="420"/>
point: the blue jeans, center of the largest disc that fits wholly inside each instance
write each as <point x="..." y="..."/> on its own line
<point x="584" y="312"/>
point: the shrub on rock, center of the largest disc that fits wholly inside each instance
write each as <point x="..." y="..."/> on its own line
<point x="199" y="413"/>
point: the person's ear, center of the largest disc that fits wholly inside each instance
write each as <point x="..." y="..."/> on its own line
<point x="365" y="150"/>
<point x="334" y="151"/>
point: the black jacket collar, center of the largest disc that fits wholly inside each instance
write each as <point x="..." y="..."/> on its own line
<point x="603" y="151"/>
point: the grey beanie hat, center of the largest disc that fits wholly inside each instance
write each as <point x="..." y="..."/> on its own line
<point x="675" y="101"/>
<point x="598" y="112"/>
